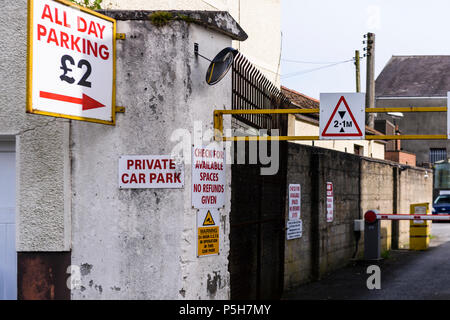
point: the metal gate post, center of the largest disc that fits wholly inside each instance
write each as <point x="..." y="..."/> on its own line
<point x="372" y="236"/>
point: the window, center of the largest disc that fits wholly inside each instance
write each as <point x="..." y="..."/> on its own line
<point x="442" y="199"/>
<point x="359" y="150"/>
<point x="437" y="154"/>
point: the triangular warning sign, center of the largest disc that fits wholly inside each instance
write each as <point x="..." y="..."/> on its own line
<point x="209" y="221"/>
<point x="342" y="123"/>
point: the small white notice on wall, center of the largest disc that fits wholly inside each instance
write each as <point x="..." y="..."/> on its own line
<point x="139" y="172"/>
<point x="294" y="229"/>
<point x="330" y="202"/>
<point x="294" y="201"/>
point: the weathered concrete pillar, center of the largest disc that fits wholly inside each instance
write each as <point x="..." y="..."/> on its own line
<point x="141" y="244"/>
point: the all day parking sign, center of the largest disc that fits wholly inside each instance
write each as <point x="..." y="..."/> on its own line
<point x="71" y="62"/>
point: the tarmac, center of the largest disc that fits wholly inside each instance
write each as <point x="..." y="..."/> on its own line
<point x="405" y="275"/>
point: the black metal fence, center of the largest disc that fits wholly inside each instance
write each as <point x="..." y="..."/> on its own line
<point x="252" y="91"/>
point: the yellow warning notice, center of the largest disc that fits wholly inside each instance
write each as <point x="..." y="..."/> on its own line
<point x="208" y="240"/>
<point x="209" y="221"/>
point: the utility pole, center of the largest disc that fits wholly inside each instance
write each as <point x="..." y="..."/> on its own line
<point x="370" y="81"/>
<point x="358" y="78"/>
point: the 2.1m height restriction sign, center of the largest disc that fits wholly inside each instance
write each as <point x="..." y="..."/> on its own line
<point x="71" y="62"/>
<point x="342" y="116"/>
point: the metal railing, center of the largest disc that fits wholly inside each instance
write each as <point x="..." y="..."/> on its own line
<point x="251" y="90"/>
<point x="218" y="124"/>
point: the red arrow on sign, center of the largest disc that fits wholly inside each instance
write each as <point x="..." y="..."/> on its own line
<point x="86" y="101"/>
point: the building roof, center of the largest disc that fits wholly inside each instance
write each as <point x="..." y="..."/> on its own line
<point x="299" y="99"/>
<point x="414" y="76"/>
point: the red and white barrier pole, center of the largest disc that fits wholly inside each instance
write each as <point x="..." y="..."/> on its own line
<point x="372" y="215"/>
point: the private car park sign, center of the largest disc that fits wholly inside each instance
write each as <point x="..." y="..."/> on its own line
<point x="71" y="62"/>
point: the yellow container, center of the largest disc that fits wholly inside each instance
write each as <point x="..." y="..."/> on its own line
<point x="419" y="230"/>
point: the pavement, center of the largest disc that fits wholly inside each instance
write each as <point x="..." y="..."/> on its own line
<point x="405" y="275"/>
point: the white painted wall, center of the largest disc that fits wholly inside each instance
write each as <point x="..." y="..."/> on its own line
<point x="261" y="20"/>
<point x="141" y="244"/>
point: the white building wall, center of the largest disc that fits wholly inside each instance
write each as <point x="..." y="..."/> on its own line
<point x="141" y="244"/>
<point x="261" y="20"/>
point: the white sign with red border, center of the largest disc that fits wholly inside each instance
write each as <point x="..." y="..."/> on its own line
<point x="294" y="201"/>
<point x="71" y="62"/>
<point x="342" y="116"/>
<point x="330" y="202"/>
<point x="208" y="177"/>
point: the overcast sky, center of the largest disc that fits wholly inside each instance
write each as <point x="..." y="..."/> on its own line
<point x="330" y="31"/>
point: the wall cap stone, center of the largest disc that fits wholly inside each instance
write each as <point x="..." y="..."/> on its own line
<point x="220" y="21"/>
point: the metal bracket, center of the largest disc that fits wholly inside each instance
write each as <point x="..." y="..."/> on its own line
<point x="120" y="109"/>
<point x="120" y="36"/>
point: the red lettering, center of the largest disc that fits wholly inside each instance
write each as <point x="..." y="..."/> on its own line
<point x="80" y="21"/>
<point x="152" y="177"/>
<point x="172" y="164"/>
<point x="56" y="17"/>
<point x="138" y="165"/>
<point x="133" y="178"/>
<point x="101" y="29"/>
<point x="64" y="39"/>
<point x="47" y="13"/>
<point x="74" y="43"/>
<point x="93" y="48"/>
<point x="129" y="163"/>
<point x="92" y="29"/>
<point x="123" y="178"/>
<point x="52" y="37"/>
<point x="41" y="31"/>
<point x="209" y="200"/>
<point x="65" y="21"/>
<point x="104" y="52"/>
<point x="142" y="178"/>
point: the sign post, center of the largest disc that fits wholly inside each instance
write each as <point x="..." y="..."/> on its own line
<point x="71" y="62"/>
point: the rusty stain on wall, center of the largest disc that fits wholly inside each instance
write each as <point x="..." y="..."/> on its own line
<point x="42" y="275"/>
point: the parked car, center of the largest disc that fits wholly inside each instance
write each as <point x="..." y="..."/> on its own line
<point x="442" y="204"/>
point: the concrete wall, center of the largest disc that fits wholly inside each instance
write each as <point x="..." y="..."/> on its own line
<point x="359" y="184"/>
<point x="43" y="168"/>
<point x="261" y="19"/>
<point x="141" y="244"/>
<point x="129" y="244"/>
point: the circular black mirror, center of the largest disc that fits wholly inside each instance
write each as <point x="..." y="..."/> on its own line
<point x="220" y="65"/>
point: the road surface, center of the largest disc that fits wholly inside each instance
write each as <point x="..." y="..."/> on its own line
<point x="404" y="275"/>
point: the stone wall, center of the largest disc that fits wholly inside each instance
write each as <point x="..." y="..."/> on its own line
<point x="359" y="184"/>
